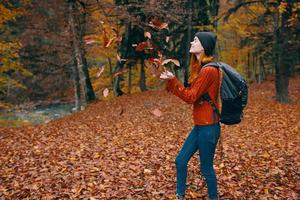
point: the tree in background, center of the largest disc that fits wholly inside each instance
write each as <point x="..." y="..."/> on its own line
<point x="10" y="66"/>
<point x="49" y="52"/>
<point x="77" y="25"/>
<point x="274" y="34"/>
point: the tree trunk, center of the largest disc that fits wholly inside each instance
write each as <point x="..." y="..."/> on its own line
<point x="129" y="78"/>
<point x="122" y="52"/>
<point x="77" y="91"/>
<point x="117" y="81"/>
<point x="143" y="86"/>
<point x="254" y="77"/>
<point x="76" y="46"/>
<point x="262" y="71"/>
<point x="188" y="39"/>
<point x="89" y="88"/>
<point x="110" y="71"/>
<point x="90" y="94"/>
<point x="281" y="68"/>
<point x="248" y="68"/>
<point x="77" y="41"/>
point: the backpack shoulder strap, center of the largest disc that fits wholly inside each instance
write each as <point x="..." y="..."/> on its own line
<point x="213" y="64"/>
<point x="207" y="98"/>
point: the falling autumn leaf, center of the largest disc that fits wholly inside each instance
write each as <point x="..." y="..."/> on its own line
<point x="142" y="46"/>
<point x="120" y="59"/>
<point x="157" y="24"/>
<point x="176" y="62"/>
<point x="163" y="26"/>
<point x="109" y="42"/>
<point x="105" y="38"/>
<point x="101" y="70"/>
<point x="89" y="41"/>
<point x="147" y="35"/>
<point x="105" y="92"/>
<point x="167" y="39"/>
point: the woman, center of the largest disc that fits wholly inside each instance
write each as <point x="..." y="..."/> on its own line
<point x="206" y="131"/>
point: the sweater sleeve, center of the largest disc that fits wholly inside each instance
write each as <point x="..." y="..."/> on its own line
<point x="197" y="89"/>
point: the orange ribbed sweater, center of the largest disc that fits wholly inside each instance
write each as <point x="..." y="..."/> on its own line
<point x="207" y="81"/>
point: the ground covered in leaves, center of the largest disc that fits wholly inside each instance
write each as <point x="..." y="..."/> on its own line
<point x="125" y="149"/>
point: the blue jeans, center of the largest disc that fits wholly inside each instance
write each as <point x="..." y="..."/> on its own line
<point x="204" y="139"/>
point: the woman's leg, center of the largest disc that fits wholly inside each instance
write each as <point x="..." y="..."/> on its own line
<point x="207" y="140"/>
<point x="187" y="151"/>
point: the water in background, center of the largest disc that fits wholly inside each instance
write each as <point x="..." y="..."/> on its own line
<point x="37" y="116"/>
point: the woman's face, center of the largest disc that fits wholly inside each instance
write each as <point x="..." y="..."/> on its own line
<point x="196" y="46"/>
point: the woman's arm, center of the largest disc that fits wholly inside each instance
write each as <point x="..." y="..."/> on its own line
<point x="197" y="89"/>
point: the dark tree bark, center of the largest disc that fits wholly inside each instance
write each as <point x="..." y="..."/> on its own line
<point x="117" y="81"/>
<point x="77" y="91"/>
<point x="262" y="71"/>
<point x="79" y="54"/>
<point x="281" y="67"/>
<point x="187" y="51"/>
<point x="129" y="78"/>
<point x="110" y="71"/>
<point x="248" y="67"/>
<point x="89" y="88"/>
<point x="143" y="86"/>
<point x="78" y="59"/>
<point x="123" y="53"/>
<point x="81" y="31"/>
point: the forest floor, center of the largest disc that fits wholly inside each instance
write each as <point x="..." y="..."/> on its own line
<point x="125" y="148"/>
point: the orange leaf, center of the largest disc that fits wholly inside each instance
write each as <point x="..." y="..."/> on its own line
<point x="156" y="22"/>
<point x="141" y="46"/>
<point x="105" y="39"/>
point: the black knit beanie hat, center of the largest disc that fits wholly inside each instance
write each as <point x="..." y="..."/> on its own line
<point x="208" y="41"/>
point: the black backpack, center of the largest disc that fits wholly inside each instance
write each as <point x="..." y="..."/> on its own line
<point x="234" y="94"/>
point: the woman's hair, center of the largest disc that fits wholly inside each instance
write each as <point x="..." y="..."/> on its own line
<point x="196" y="65"/>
